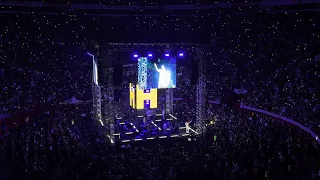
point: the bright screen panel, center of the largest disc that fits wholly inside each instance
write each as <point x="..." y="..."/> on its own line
<point x="157" y="73"/>
<point x="132" y="91"/>
<point x="146" y="98"/>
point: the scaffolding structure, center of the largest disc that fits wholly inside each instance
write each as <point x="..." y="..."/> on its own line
<point x="96" y="104"/>
<point x="169" y="101"/>
<point x="109" y="112"/>
<point x="109" y="108"/>
<point x="201" y="55"/>
<point x="96" y="91"/>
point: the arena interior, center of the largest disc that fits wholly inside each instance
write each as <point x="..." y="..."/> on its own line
<point x="83" y="96"/>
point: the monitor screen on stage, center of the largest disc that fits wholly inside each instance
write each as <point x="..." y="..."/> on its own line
<point x="157" y="73"/>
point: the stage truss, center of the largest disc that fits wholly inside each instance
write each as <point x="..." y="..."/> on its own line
<point x="201" y="55"/>
<point x="96" y="93"/>
<point x="169" y="101"/>
<point x="109" y="111"/>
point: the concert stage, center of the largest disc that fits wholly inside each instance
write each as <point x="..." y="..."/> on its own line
<point x="141" y="128"/>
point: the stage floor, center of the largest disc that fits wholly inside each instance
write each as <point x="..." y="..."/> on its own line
<point x="136" y="129"/>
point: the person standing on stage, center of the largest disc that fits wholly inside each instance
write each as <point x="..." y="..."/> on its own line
<point x="163" y="113"/>
<point x="187" y="123"/>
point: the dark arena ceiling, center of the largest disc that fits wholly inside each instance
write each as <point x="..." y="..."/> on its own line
<point x="142" y="20"/>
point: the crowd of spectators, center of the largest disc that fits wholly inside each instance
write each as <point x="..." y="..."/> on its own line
<point x="279" y="69"/>
<point x="43" y="62"/>
<point x="236" y="146"/>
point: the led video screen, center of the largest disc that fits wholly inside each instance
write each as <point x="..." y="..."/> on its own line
<point x="157" y="73"/>
<point x="143" y="98"/>
<point x="132" y="91"/>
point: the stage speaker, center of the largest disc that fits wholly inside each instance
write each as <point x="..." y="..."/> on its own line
<point x="118" y="74"/>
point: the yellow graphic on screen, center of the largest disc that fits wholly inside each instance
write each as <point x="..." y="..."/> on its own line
<point x="132" y="91"/>
<point x="139" y="96"/>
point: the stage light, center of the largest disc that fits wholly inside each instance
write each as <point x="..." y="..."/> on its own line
<point x="135" y="55"/>
<point x="167" y="55"/>
<point x="181" y="54"/>
<point x="172" y="116"/>
<point x="149" y="55"/>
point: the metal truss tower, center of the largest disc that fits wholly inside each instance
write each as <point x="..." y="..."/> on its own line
<point x="110" y="106"/>
<point x="169" y="101"/>
<point x="96" y="91"/>
<point x="109" y="98"/>
<point x="201" y="88"/>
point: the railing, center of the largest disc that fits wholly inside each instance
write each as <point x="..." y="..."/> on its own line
<point x="283" y="119"/>
<point x="260" y="111"/>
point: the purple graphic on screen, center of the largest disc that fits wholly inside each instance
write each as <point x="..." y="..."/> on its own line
<point x="147" y="104"/>
<point x="146" y="90"/>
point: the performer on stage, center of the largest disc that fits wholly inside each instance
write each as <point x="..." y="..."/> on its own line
<point x="163" y="113"/>
<point x="187" y="123"/>
<point x="144" y="120"/>
<point x="164" y="76"/>
<point x="165" y="127"/>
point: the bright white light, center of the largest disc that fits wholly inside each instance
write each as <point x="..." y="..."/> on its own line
<point x="193" y="131"/>
<point x="149" y="55"/>
<point x="95" y="69"/>
<point x="167" y="55"/>
<point x="172" y="116"/>
<point x="101" y="123"/>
